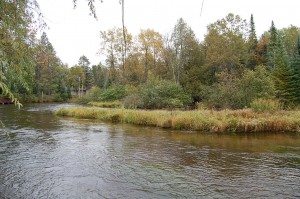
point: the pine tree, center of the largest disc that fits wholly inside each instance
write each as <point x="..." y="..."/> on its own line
<point x="295" y="65"/>
<point x="272" y="46"/>
<point x="252" y="42"/>
<point x="282" y="73"/>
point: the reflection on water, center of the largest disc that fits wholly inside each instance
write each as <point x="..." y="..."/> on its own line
<point x="51" y="157"/>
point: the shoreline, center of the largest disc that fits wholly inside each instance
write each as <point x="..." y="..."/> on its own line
<point x="225" y="121"/>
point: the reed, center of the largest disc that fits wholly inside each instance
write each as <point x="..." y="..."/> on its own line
<point x="225" y="121"/>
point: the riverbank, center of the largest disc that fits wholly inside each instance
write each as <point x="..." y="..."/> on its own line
<point x="5" y="100"/>
<point x="225" y="121"/>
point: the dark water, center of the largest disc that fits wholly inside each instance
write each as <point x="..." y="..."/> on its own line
<point x="49" y="157"/>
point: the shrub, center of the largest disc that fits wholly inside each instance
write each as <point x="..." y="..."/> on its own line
<point x="232" y="91"/>
<point x="92" y="95"/>
<point x="163" y="94"/>
<point x="113" y="93"/>
<point x="133" y="101"/>
<point x="266" y="105"/>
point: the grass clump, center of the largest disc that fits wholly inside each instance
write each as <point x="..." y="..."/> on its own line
<point x="266" y="105"/>
<point x="225" y="121"/>
<point x="113" y="104"/>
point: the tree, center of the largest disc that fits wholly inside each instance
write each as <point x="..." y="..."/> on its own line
<point x="262" y="49"/>
<point x="225" y="45"/>
<point x="295" y="65"/>
<point x="150" y="45"/>
<point x="124" y="31"/>
<point x="84" y="63"/>
<point x="100" y="75"/>
<point x="282" y="72"/>
<point x="76" y="78"/>
<point x="17" y="36"/>
<point x="290" y="38"/>
<point x="62" y="87"/>
<point x="47" y="67"/>
<point x="112" y="46"/>
<point x="272" y="45"/>
<point x="236" y="93"/>
<point x="252" y="45"/>
<point x="186" y="49"/>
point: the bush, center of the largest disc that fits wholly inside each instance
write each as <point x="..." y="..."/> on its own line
<point x="91" y="95"/>
<point x="133" y="101"/>
<point x="232" y="91"/>
<point x="266" y="105"/>
<point x="95" y="94"/>
<point x="113" y="93"/>
<point x="163" y="94"/>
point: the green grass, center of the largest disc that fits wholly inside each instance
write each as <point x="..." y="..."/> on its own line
<point x="113" y="104"/>
<point x="226" y="121"/>
<point x="266" y="105"/>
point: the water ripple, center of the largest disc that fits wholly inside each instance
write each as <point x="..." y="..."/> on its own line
<point x="58" y="158"/>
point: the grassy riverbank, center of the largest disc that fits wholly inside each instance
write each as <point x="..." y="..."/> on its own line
<point x="226" y="121"/>
<point x="113" y="104"/>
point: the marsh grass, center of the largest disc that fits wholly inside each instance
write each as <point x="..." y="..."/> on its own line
<point x="113" y="104"/>
<point x="225" y="121"/>
<point x="266" y="105"/>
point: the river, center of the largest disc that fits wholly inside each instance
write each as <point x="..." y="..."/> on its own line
<point x="44" y="156"/>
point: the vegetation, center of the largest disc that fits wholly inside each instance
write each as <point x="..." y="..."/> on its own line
<point x="226" y="121"/>
<point x="113" y="104"/>
<point x="230" y="69"/>
<point x="266" y="105"/>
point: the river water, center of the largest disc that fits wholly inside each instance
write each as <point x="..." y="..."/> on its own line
<point x="45" y="156"/>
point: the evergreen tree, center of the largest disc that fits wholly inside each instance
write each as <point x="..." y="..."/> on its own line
<point x="252" y="42"/>
<point x="282" y="72"/>
<point x="273" y="45"/>
<point x="295" y="65"/>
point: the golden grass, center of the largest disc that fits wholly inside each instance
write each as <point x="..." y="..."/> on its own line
<point x="226" y="121"/>
<point x="113" y="104"/>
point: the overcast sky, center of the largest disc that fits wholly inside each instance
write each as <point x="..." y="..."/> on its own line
<point x="73" y="32"/>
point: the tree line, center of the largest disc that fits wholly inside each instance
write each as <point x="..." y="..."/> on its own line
<point x="230" y="68"/>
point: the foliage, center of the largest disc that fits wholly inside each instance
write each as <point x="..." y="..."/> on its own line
<point x="28" y="65"/>
<point x="150" y="46"/>
<point x="100" y="76"/>
<point x="229" y="69"/>
<point x="162" y="93"/>
<point x="236" y="93"/>
<point x="5" y="91"/>
<point x="133" y="101"/>
<point x="225" y="44"/>
<point x="252" y="45"/>
<point x="113" y="93"/>
<point x="76" y="77"/>
<point x="186" y="50"/>
<point x="84" y="63"/>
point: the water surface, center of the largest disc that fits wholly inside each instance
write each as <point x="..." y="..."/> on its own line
<point x="45" y="156"/>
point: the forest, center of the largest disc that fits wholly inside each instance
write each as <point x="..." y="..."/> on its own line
<point x="232" y="68"/>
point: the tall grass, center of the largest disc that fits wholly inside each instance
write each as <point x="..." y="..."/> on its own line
<point x="113" y="104"/>
<point x="226" y="121"/>
<point x="266" y="105"/>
